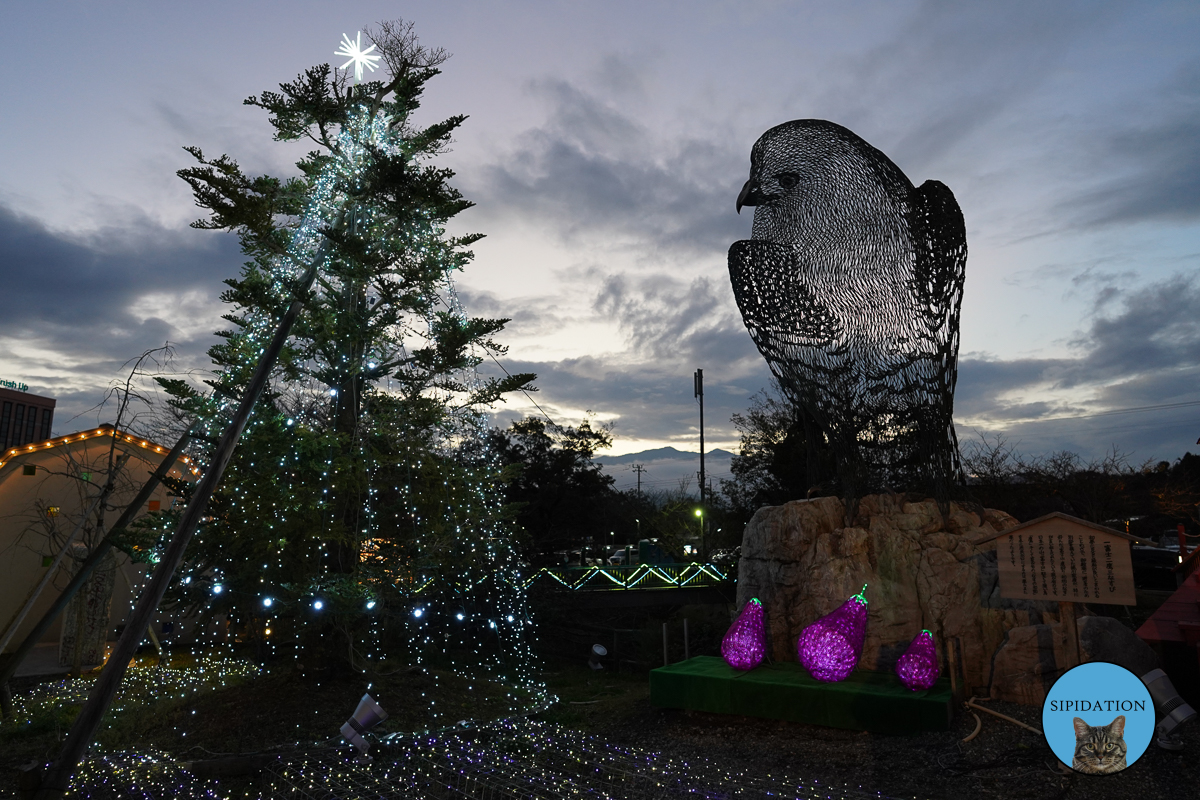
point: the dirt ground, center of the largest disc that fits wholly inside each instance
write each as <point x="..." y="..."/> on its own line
<point x="1002" y="761"/>
<point x="282" y="708"/>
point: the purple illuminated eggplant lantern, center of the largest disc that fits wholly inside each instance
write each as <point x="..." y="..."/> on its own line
<point x="745" y="644"/>
<point x="830" y="647"/>
<point x="918" y="668"/>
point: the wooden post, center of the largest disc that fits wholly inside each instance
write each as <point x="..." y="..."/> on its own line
<point x="957" y="690"/>
<point x="1070" y="632"/>
<point x="948" y="646"/>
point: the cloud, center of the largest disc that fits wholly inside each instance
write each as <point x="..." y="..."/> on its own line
<point x="1152" y="155"/>
<point x="648" y="402"/>
<point x="596" y="175"/>
<point x="78" y="307"/>
<point x="1156" y="330"/>
<point x="1141" y="349"/>
<point x="952" y="73"/>
<point x="668" y="319"/>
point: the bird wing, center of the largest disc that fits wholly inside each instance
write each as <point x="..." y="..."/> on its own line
<point x="780" y="311"/>
<point x="940" y="249"/>
<point x="939" y="238"/>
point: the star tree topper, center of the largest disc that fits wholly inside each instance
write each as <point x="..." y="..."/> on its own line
<point x="358" y="56"/>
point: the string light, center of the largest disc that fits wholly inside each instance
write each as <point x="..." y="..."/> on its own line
<point x="918" y="668"/>
<point x="507" y="759"/>
<point x="745" y="644"/>
<point x="830" y="647"/>
<point x="103" y="430"/>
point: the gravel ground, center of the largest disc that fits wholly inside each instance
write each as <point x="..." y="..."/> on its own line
<point x="1003" y="760"/>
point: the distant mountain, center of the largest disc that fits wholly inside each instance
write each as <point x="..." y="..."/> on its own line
<point x="666" y="467"/>
<point x="660" y="453"/>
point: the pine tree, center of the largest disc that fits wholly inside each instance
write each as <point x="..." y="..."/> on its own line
<point x="361" y="492"/>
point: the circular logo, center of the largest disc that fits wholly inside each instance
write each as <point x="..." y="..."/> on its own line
<point x="1098" y="718"/>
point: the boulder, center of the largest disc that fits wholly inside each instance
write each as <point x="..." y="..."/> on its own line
<point x="1031" y="658"/>
<point x="922" y="572"/>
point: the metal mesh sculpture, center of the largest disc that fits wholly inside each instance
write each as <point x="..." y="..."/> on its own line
<point x="850" y="286"/>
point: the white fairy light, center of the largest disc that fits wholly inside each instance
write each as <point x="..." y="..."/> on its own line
<point x="358" y="56"/>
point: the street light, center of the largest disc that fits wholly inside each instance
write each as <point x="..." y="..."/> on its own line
<point x="700" y="517"/>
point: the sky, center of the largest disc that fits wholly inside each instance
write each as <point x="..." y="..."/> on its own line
<point x="604" y="148"/>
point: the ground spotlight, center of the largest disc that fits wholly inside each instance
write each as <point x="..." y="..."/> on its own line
<point x="1174" y="709"/>
<point x="599" y="651"/>
<point x="366" y="716"/>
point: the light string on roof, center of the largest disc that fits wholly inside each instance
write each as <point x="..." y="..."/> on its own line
<point x="103" y="430"/>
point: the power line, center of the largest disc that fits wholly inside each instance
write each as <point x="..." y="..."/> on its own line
<point x="527" y="397"/>
<point x="1162" y="407"/>
<point x="1133" y="410"/>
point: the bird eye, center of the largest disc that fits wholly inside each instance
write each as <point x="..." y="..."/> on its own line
<point x="787" y="180"/>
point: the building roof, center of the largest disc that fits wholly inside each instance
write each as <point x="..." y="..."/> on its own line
<point x="1053" y="516"/>
<point x="15" y="453"/>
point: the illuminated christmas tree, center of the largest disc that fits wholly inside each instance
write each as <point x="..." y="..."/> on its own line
<point x="362" y="502"/>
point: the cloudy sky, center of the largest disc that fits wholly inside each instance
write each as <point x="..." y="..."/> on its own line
<point x="605" y="147"/>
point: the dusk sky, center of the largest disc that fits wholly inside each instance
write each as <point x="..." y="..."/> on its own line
<point x="605" y="147"/>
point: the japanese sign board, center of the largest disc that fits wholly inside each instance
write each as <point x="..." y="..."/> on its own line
<point x="1058" y="557"/>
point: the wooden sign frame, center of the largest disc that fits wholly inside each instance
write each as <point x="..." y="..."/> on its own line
<point x="1060" y="558"/>
<point x="1064" y="559"/>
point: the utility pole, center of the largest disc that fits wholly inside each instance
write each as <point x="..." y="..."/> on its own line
<point x="639" y="469"/>
<point x="698" y="388"/>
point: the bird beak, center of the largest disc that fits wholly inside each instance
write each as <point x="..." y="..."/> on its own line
<point x="749" y="196"/>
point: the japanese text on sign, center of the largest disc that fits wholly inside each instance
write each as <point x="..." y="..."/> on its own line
<point x="1069" y="567"/>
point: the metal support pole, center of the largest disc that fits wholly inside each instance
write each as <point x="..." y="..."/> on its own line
<point x="698" y="388"/>
<point x="54" y="786"/>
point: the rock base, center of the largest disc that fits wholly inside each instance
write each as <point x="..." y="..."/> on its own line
<point x="922" y="572"/>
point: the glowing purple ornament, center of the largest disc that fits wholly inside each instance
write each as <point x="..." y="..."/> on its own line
<point x="830" y="647"/>
<point x="918" y="668"/>
<point x="745" y="645"/>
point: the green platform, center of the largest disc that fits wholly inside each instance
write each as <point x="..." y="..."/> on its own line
<point x="865" y="701"/>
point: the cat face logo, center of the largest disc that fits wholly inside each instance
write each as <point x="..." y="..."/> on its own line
<point x="1099" y="749"/>
<point x="1098" y="718"/>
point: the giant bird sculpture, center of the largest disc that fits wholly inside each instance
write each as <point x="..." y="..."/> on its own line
<point x="850" y="286"/>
